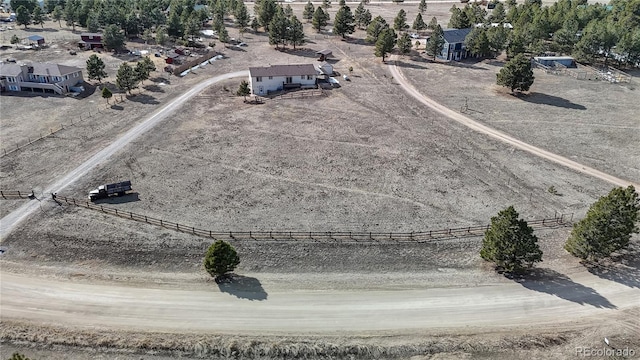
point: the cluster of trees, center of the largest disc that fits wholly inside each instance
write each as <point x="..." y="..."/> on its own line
<point x="28" y="12"/>
<point x="284" y="28"/>
<point x="128" y="77"/>
<point x="610" y="222"/>
<point x="589" y="32"/>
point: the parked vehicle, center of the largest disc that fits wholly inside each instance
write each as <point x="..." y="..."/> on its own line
<point x="104" y="191"/>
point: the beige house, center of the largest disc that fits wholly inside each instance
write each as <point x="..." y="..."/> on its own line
<point x="39" y="77"/>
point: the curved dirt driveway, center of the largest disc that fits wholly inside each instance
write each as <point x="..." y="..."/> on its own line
<point x="479" y="127"/>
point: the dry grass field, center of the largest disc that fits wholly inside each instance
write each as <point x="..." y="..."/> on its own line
<point x="362" y="157"/>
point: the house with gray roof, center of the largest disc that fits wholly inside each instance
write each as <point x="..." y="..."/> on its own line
<point x="39" y="77"/>
<point x="454" y="48"/>
<point x="264" y="80"/>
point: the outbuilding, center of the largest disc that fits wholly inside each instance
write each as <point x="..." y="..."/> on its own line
<point x="36" y="40"/>
<point x="323" y="55"/>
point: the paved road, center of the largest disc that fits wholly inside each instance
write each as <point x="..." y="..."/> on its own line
<point x="479" y="127"/>
<point x="8" y="223"/>
<point x="282" y="310"/>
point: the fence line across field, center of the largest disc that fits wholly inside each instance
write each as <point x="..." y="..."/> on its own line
<point x="561" y="220"/>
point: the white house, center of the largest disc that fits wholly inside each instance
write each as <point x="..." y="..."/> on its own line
<point x="281" y="77"/>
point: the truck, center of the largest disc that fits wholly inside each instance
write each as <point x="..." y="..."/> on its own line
<point x="104" y="191"/>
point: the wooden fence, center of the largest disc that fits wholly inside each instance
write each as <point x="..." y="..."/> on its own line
<point x="298" y="94"/>
<point x="9" y="195"/>
<point x="561" y="220"/>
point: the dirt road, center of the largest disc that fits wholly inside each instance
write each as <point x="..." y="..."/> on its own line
<point x="472" y="124"/>
<point x="272" y="308"/>
<point x="10" y="221"/>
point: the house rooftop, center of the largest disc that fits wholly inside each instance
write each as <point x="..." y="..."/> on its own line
<point x="91" y="34"/>
<point x="325" y="52"/>
<point x="10" y="69"/>
<point x="53" y="69"/>
<point x="35" y="38"/>
<point x="283" y="70"/>
<point x="453" y="36"/>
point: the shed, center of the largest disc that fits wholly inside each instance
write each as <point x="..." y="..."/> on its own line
<point x="172" y="57"/>
<point x="324" y="54"/>
<point x="551" y="61"/>
<point x="36" y="39"/>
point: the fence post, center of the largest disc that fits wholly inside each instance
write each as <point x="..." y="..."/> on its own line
<point x="411" y="236"/>
<point x="101" y="209"/>
<point x="231" y="235"/>
<point x="178" y="227"/>
<point x="210" y="233"/>
<point x="1" y="193"/>
<point x="116" y="211"/>
<point x="193" y="228"/>
<point x="74" y="201"/>
<point x="130" y="215"/>
<point x="145" y="218"/>
<point x="161" y="222"/>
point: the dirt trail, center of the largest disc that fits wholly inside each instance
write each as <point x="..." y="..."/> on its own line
<point x="479" y="127"/>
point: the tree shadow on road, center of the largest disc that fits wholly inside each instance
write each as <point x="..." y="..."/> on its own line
<point x="544" y="99"/>
<point x="410" y="65"/>
<point x="243" y="287"/>
<point x="557" y="284"/>
<point x="623" y="269"/>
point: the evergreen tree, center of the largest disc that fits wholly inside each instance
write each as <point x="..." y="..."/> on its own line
<point x="296" y="32"/>
<point x="359" y="14"/>
<point x="608" y="226"/>
<point x="243" y="89"/>
<point x="342" y="3"/>
<point x="516" y="74"/>
<point x="377" y="26"/>
<point x="70" y="13"/>
<point x="436" y="42"/>
<point x="597" y="40"/>
<point x="93" y="21"/>
<point x="288" y="11"/>
<point x="385" y="43"/>
<point x="112" y="38"/>
<point x="58" y="14"/>
<point x="477" y="42"/>
<point x="326" y="4"/>
<point x="161" y="35"/>
<point x="433" y="24"/>
<point x="307" y="14"/>
<point x="95" y="68"/>
<point x="510" y="243"/>
<point x="516" y="45"/>
<point x="343" y="24"/>
<point x="175" y="27"/>
<point x="404" y="44"/>
<point x="23" y="17"/>
<point x="400" y="22"/>
<point x="278" y="29"/>
<point x="459" y="19"/>
<point x="242" y="16"/>
<point x="320" y="19"/>
<point x="38" y="17"/>
<point x="106" y="93"/>
<point x="268" y="9"/>
<point x="220" y="259"/>
<point x="223" y="35"/>
<point x="18" y="356"/>
<point x="498" y="14"/>
<point x="629" y="46"/>
<point x="497" y="38"/>
<point x="255" y="25"/>
<point x="419" y="24"/>
<point x="126" y="78"/>
<point x="422" y="7"/>
<point x="15" y="39"/>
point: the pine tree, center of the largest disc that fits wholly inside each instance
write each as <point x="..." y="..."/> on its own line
<point x="358" y="15"/>
<point x="307" y="14"/>
<point x="278" y="29"/>
<point x="404" y="44"/>
<point x="375" y="28"/>
<point x="436" y="42"/>
<point x="223" y="35"/>
<point x="70" y="13"/>
<point x="288" y="11"/>
<point x="38" y="17"/>
<point x="15" y="39"/>
<point x="419" y="24"/>
<point x="608" y="226"/>
<point x="433" y="24"/>
<point x="255" y="25"/>
<point x="95" y="68"/>
<point x="175" y="27"/>
<point x="220" y="259"/>
<point x="296" y="32"/>
<point x="242" y="16"/>
<point x="422" y="7"/>
<point x="243" y="89"/>
<point x="126" y="78"/>
<point x="459" y="19"/>
<point x="58" y="15"/>
<point x="400" y="22"/>
<point x="516" y="74"/>
<point x="510" y="243"/>
<point x="23" y="17"/>
<point x="268" y="9"/>
<point x="319" y="19"/>
<point x="477" y="42"/>
<point x="106" y="93"/>
<point x="385" y="43"/>
<point x="326" y="4"/>
<point x="343" y="23"/>
<point x="112" y="37"/>
<point x="161" y="35"/>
